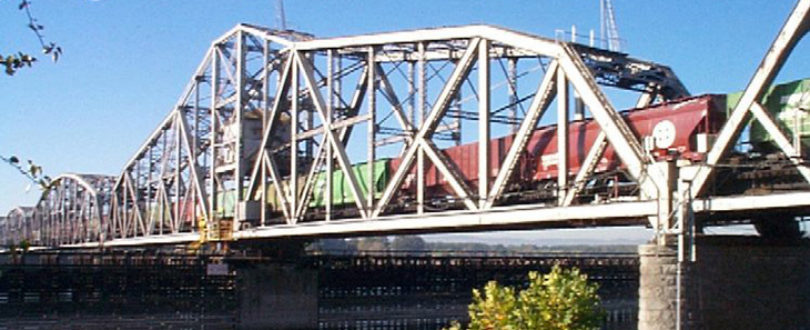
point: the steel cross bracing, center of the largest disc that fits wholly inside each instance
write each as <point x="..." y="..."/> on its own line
<point x="288" y="107"/>
<point x="694" y="181"/>
<point x="267" y="113"/>
<point x="421" y="100"/>
<point x="265" y="106"/>
<point x="794" y="29"/>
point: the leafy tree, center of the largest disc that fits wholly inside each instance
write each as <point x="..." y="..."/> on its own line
<point x="32" y="172"/>
<point x="560" y="300"/>
<point x="14" y="62"/>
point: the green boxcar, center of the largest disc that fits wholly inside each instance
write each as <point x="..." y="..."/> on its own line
<point x="785" y="102"/>
<point x="226" y="204"/>
<point x="341" y="192"/>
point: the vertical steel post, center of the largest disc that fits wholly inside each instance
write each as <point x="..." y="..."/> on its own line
<point x="372" y="123"/>
<point x="455" y="133"/>
<point x="412" y="94"/>
<point x="562" y="136"/>
<point x="265" y="117"/>
<point x="483" y="122"/>
<point x="512" y="89"/>
<point x="266" y="83"/>
<point x="238" y="174"/>
<point x="162" y="190"/>
<point x="293" y="181"/>
<point x="420" y="154"/>
<point x="215" y="68"/>
<point x="150" y="170"/>
<point x="193" y="155"/>
<point x="330" y="103"/>
<point x="124" y="215"/>
<point x="177" y="194"/>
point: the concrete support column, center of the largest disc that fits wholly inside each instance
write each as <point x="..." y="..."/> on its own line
<point x="658" y="292"/>
<point x="737" y="282"/>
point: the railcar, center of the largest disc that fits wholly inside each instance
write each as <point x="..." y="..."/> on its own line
<point x="681" y="130"/>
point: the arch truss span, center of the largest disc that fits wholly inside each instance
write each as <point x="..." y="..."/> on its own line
<point x="17" y="227"/>
<point x="74" y="209"/>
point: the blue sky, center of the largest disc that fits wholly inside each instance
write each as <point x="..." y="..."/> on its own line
<point x="126" y="62"/>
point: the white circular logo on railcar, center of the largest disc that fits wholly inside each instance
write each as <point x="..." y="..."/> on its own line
<point x="664" y="134"/>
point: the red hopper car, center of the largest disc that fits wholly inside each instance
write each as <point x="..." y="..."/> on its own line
<point x="679" y="129"/>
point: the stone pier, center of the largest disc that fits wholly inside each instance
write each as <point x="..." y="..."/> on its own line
<point x="736" y="283"/>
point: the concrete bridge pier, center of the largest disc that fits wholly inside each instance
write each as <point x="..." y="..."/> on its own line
<point x="736" y="282"/>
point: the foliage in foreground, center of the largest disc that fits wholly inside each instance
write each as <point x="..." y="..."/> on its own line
<point x="14" y="62"/>
<point x="561" y="299"/>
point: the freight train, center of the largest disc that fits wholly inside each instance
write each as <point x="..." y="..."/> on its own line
<point x="680" y="130"/>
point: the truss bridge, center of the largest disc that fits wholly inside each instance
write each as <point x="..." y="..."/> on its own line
<point x="282" y="134"/>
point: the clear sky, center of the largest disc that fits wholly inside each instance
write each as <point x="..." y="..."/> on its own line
<point x="126" y="62"/>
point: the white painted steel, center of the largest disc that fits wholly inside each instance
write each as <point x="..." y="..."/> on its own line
<point x="793" y="30"/>
<point x="179" y="153"/>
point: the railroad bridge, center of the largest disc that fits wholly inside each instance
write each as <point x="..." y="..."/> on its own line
<point x="244" y="152"/>
<point x="281" y="134"/>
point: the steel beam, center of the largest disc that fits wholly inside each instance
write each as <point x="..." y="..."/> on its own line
<point x="619" y="135"/>
<point x="271" y="121"/>
<point x="483" y="122"/>
<point x="426" y="130"/>
<point x="562" y="137"/>
<point x="372" y="127"/>
<point x="170" y="174"/>
<point x="494" y="219"/>
<point x="792" y="31"/>
<point x="343" y="159"/>
<point x="545" y="93"/>
<point x="420" y="155"/>
<point x="781" y="139"/>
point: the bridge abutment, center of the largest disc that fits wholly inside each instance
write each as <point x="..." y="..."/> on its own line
<point x="736" y="282"/>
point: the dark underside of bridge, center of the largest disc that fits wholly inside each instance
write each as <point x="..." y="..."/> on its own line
<point x="380" y="291"/>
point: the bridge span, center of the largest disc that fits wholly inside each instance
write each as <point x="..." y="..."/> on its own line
<point x="280" y="134"/>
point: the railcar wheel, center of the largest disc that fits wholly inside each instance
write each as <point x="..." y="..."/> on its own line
<point x="778" y="228"/>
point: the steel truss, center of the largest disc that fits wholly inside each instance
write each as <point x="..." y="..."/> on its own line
<point x="418" y="82"/>
<point x="74" y="209"/>
<point x="17" y="227"/>
<point x="181" y="176"/>
<point x="693" y="193"/>
<point x="265" y="106"/>
<point x="266" y="113"/>
<point x="791" y="33"/>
